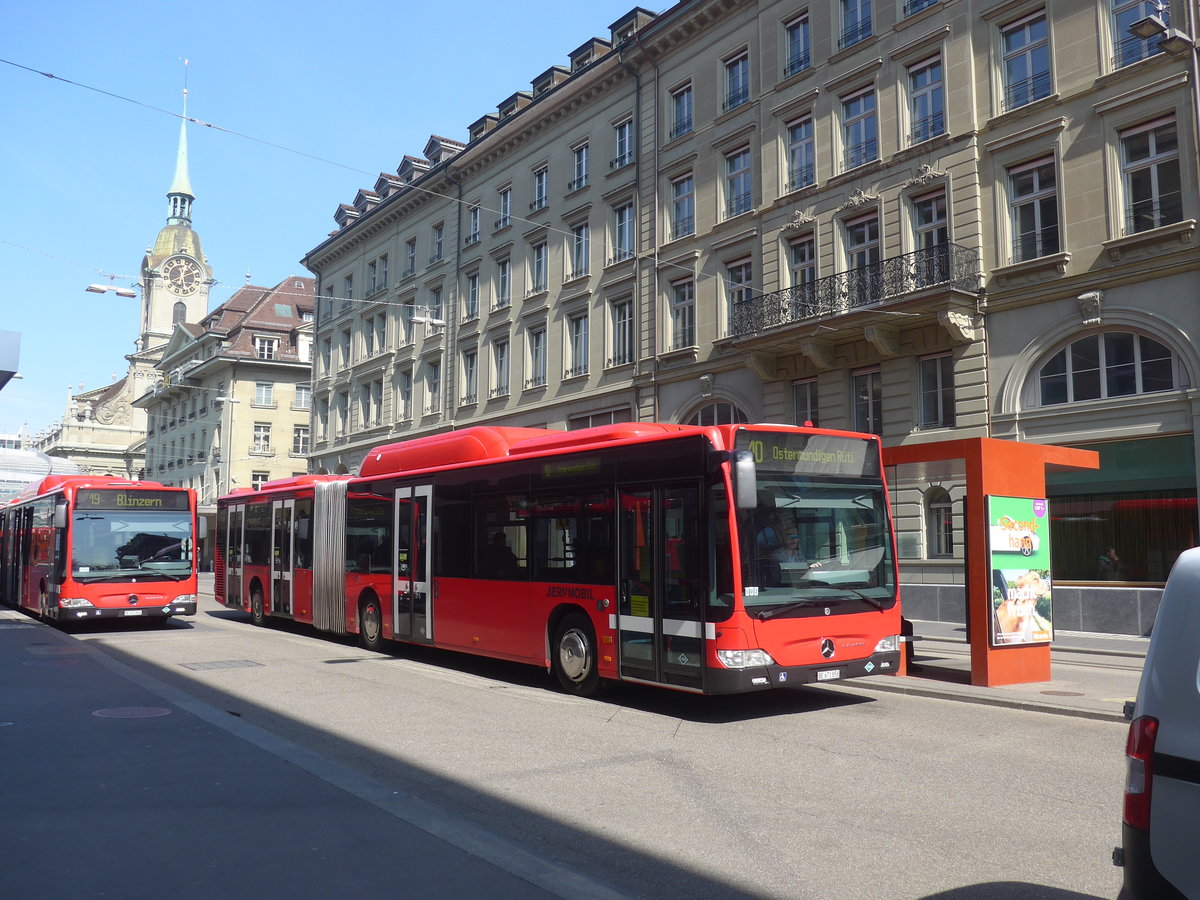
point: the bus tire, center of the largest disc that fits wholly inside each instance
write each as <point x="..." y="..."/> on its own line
<point x="257" y="614"/>
<point x="370" y="623"/>
<point x="573" y="655"/>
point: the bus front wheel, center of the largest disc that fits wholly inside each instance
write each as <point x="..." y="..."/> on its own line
<point x="370" y="624"/>
<point x="573" y="656"/>
<point x="257" y="615"/>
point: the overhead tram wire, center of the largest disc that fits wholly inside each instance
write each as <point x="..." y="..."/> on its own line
<point x="698" y="276"/>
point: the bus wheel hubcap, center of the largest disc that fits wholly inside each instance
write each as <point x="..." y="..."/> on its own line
<point x="573" y="655"/>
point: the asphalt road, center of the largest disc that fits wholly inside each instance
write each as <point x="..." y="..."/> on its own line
<point x="807" y="792"/>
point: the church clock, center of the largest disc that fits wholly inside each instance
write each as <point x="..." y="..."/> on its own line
<point x="183" y="275"/>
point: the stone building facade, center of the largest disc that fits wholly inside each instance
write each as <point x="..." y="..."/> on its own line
<point x="929" y="219"/>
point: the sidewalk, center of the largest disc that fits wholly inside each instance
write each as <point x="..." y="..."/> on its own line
<point x="1092" y="675"/>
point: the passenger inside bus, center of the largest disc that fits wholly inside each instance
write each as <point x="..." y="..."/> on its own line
<point x="499" y="561"/>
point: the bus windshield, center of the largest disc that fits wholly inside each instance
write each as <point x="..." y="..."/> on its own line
<point x="820" y="535"/>
<point x="115" y="545"/>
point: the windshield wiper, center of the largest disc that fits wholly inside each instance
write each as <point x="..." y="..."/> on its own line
<point x="787" y="607"/>
<point x="131" y="575"/>
<point x="798" y="604"/>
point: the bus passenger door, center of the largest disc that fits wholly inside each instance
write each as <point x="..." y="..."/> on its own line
<point x="282" y="537"/>
<point x="662" y="585"/>
<point x="412" y="594"/>
<point x="234" y="550"/>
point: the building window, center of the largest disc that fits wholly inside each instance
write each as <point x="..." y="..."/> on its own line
<point x="266" y="348"/>
<point x="925" y="101"/>
<point x="939" y="524"/>
<point x="541" y="188"/>
<point x="683" y="314"/>
<point x="1150" y="168"/>
<point x="472" y="224"/>
<point x="372" y="404"/>
<point x="258" y="479"/>
<point x="505" y="204"/>
<point x="369" y="335"/>
<point x="347" y="291"/>
<point x="1115" y="364"/>
<point x="303" y="397"/>
<point x="738" y="187"/>
<point x="623" y="144"/>
<point x="503" y="283"/>
<point x="936" y="377"/>
<point x="299" y="440"/>
<point x="404" y="396"/>
<point x="931" y="231"/>
<point x="433" y="386"/>
<point x="537" y="269"/>
<point x="596" y="419"/>
<point x="737" y="81"/>
<point x="1129" y="48"/>
<point x="579" y="251"/>
<point x="577" y="346"/>
<point x="579" y="166"/>
<point x="856" y="22"/>
<point x="802" y="265"/>
<point x="621" y="317"/>
<point x="471" y="306"/>
<point x="860" y="139"/>
<point x="262" y="438"/>
<point x="912" y="7"/>
<point x="537" y="357"/>
<point x="470" y="375"/>
<point x="622" y="233"/>
<point x="500" y="368"/>
<point x="862" y="241"/>
<point x="1033" y="210"/>
<point x="1026" y="61"/>
<point x="437" y="238"/>
<point x="868" y="402"/>
<point x="410" y="256"/>
<point x="683" y="207"/>
<point x="796" y="40"/>
<point x="264" y="393"/>
<point x="801" y="154"/>
<point x="681" y="108"/>
<point x="178" y="313"/>
<point x="719" y="413"/>
<point x="804" y="403"/>
<point x="343" y="412"/>
<point x="737" y="287"/>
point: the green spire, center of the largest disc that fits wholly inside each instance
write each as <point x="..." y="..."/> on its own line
<point x="180" y="195"/>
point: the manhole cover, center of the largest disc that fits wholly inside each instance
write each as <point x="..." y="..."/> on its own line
<point x="1063" y="693"/>
<point x="132" y="712"/>
<point x="221" y="664"/>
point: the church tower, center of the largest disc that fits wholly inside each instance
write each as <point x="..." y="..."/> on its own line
<point x="175" y="275"/>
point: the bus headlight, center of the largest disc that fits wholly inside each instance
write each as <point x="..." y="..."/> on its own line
<point x="74" y="603"/>
<point x="889" y="644"/>
<point x="744" y="659"/>
<point x="186" y="598"/>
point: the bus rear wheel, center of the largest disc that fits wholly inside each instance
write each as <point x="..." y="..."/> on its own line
<point x="573" y="656"/>
<point x="257" y="614"/>
<point x="370" y="624"/>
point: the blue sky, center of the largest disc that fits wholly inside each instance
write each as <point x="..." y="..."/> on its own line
<point x="84" y="175"/>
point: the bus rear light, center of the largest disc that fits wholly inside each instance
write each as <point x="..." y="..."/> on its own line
<point x="1139" y="750"/>
<point x="74" y="603"/>
<point x="890" y="644"/>
<point x="744" y="659"/>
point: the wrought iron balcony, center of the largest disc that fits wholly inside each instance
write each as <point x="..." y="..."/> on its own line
<point x="947" y="265"/>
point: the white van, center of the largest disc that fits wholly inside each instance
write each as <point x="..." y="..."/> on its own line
<point x="1159" y="834"/>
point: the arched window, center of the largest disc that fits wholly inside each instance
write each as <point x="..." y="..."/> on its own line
<point x="1114" y="364"/>
<point x="717" y="414"/>
<point x="939" y="524"/>
<point x="178" y="313"/>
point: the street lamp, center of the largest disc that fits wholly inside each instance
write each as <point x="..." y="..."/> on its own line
<point x="1172" y="40"/>
<point x="105" y="288"/>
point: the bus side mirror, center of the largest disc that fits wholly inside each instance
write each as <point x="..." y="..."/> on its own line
<point x="201" y="528"/>
<point x="745" y="483"/>
<point x="60" y="516"/>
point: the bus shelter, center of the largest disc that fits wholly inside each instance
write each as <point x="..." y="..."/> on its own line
<point x="1006" y="547"/>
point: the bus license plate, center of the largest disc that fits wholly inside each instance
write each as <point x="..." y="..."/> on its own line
<point x="829" y="674"/>
<point x="132" y="612"/>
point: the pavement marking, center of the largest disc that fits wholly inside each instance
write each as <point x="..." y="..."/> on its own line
<point x="132" y="712"/>
<point x="548" y="874"/>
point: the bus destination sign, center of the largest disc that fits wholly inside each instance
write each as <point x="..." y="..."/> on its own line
<point x="810" y="454"/>
<point x="129" y="500"/>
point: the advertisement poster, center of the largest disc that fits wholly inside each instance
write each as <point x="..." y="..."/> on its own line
<point x="1019" y="560"/>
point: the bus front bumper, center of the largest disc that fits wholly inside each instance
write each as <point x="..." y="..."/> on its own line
<point x="181" y="607"/>
<point x="761" y="678"/>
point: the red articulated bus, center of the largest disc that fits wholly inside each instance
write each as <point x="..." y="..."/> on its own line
<point x="708" y="559"/>
<point x="76" y="547"/>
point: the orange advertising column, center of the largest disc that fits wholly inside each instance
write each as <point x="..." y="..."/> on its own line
<point x="996" y="469"/>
